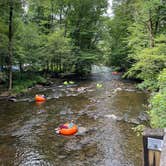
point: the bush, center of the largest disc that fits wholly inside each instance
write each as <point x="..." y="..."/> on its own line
<point x="158" y="103"/>
<point x="27" y="81"/>
<point x="148" y="64"/>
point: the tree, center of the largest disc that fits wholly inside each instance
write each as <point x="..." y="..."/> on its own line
<point x="58" y="52"/>
<point x="12" y="7"/>
<point x="117" y="30"/>
<point x="146" y="42"/>
<point x="158" y="105"/>
<point x="10" y="36"/>
<point x="27" y="42"/>
<point x="84" y="19"/>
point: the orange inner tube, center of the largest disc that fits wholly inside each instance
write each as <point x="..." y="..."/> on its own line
<point x="39" y="98"/>
<point x="69" y="131"/>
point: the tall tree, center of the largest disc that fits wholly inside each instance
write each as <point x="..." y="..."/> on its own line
<point x="116" y="33"/>
<point x="10" y="10"/>
<point x="146" y="42"/>
<point x="10" y="36"/>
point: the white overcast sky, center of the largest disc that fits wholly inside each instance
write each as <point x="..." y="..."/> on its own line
<point x="109" y="11"/>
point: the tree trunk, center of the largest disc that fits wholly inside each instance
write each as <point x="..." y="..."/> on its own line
<point x="151" y="33"/>
<point x="21" y="67"/>
<point x="65" y="24"/>
<point x="52" y="15"/>
<point x="47" y="70"/>
<point x="10" y="36"/>
<point x="157" y="21"/>
<point x="60" y="63"/>
<point x="60" y="17"/>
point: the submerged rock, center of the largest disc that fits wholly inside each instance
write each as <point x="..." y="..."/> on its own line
<point x="66" y="112"/>
<point x="114" y="117"/>
<point x="38" y="86"/>
<point x="126" y="118"/>
<point x="143" y="116"/>
<point x="81" y="131"/>
<point x="133" y="121"/>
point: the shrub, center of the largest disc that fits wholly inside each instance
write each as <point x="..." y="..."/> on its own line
<point x="158" y="103"/>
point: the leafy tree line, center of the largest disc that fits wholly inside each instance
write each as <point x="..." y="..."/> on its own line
<point x="49" y="35"/>
<point x="135" y="40"/>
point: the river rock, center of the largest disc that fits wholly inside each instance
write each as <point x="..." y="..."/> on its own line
<point x="22" y="100"/>
<point x="91" y="150"/>
<point x="66" y="112"/>
<point x="13" y="99"/>
<point x="81" y="131"/>
<point x="134" y="121"/>
<point x="130" y="90"/>
<point x="112" y="116"/>
<point x="143" y="116"/>
<point x="118" y="89"/>
<point x="130" y="120"/>
<point x="38" y="86"/>
<point x="73" y="145"/>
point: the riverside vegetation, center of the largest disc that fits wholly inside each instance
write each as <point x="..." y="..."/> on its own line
<point x="66" y="36"/>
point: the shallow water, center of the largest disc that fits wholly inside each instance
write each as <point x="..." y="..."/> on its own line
<point x="27" y="135"/>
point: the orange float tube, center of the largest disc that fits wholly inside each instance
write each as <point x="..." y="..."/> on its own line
<point x="40" y="98"/>
<point x="69" y="131"/>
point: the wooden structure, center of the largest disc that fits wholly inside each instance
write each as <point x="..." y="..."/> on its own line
<point x="154" y="143"/>
<point x="163" y="153"/>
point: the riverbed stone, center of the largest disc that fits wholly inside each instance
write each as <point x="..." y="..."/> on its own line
<point x="81" y="131"/>
<point x="143" y="116"/>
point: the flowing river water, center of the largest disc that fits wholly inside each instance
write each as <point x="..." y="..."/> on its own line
<point x="105" y="116"/>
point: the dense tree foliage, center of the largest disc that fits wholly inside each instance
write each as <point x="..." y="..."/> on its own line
<point x="137" y="44"/>
<point x="158" y="104"/>
<point x="118" y="32"/>
<point x="49" y="35"/>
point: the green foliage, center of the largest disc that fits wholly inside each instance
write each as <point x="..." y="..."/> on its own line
<point x="134" y="39"/>
<point x="139" y="129"/>
<point x="26" y="51"/>
<point x="149" y="63"/>
<point x="115" y="33"/>
<point x="158" y="104"/>
<point x="84" y="60"/>
<point x="26" y="81"/>
<point x="133" y="28"/>
<point x="59" y="49"/>
<point x="150" y="84"/>
<point x="3" y="77"/>
<point x="84" y="21"/>
<point x="162" y="80"/>
<point x="53" y="36"/>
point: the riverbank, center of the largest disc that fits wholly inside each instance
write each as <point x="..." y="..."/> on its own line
<point x="27" y="83"/>
<point x="22" y="83"/>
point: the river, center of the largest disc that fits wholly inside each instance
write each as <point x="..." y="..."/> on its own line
<point x="106" y="115"/>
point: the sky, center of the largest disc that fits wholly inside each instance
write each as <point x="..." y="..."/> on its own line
<point x="109" y="11"/>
